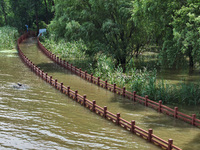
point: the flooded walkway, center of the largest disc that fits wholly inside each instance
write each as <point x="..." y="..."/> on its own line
<point x="163" y="126"/>
<point x="40" y="117"/>
<point x="46" y="118"/>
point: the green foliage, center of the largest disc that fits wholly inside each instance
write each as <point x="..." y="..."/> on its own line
<point x="145" y="83"/>
<point x="186" y="31"/>
<point x="73" y="49"/>
<point x="18" y="13"/>
<point x="8" y="37"/>
<point x="104" y="26"/>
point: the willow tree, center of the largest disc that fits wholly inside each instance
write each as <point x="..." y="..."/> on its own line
<point x="105" y="26"/>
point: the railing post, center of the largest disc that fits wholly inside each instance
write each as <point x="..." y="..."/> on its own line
<point x="61" y="62"/>
<point x="64" y="63"/>
<point x="61" y="87"/>
<point x="146" y="100"/>
<point x="106" y="84"/>
<point x="93" y="105"/>
<point x="114" y="88"/>
<point x="105" y="111"/>
<point x="67" y="65"/>
<point x="193" y="119"/>
<point x="71" y="68"/>
<point x="133" y="126"/>
<point x="34" y="67"/>
<point x="75" y="69"/>
<point x="84" y="100"/>
<point x="134" y="96"/>
<point x="56" y="83"/>
<point x="50" y="80"/>
<point x="170" y="142"/>
<point x="150" y="135"/>
<point x="42" y="74"/>
<point x="124" y="91"/>
<point x="85" y="74"/>
<point x="31" y="65"/>
<point x="46" y="76"/>
<point x="160" y="106"/>
<point x="68" y="91"/>
<point x="98" y="81"/>
<point x="91" y="77"/>
<point x="175" y="112"/>
<point x="76" y="92"/>
<point x="118" y="119"/>
<point x="80" y="72"/>
<point x="37" y="70"/>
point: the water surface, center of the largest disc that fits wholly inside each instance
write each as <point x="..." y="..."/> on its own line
<point x="40" y="117"/>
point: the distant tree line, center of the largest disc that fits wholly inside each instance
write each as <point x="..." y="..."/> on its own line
<point x="18" y="13"/>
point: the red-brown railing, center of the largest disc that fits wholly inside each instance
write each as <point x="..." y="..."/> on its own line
<point x="91" y="105"/>
<point x="122" y="91"/>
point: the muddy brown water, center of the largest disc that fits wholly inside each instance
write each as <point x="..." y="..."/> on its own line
<point x="40" y="117"/>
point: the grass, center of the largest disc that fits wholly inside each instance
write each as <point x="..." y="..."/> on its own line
<point x="8" y="37"/>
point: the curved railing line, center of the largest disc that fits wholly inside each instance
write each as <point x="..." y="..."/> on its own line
<point x="115" y="118"/>
<point x="122" y="91"/>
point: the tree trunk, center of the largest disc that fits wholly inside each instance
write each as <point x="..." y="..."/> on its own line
<point x="36" y="16"/>
<point x="122" y="61"/>
<point x="137" y="50"/>
<point x="191" y="60"/>
<point x="47" y="16"/>
<point x="3" y="10"/>
<point x="53" y="4"/>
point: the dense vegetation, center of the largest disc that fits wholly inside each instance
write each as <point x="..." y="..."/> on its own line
<point x="8" y="37"/>
<point x="104" y="37"/>
<point x="18" y="13"/>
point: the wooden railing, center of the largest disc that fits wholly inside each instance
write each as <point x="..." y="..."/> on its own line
<point x="91" y="105"/>
<point x="122" y="91"/>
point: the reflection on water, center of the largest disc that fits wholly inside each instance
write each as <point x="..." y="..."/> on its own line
<point x="172" y="75"/>
<point x="40" y="117"/>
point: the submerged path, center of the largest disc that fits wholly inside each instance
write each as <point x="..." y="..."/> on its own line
<point x="165" y="127"/>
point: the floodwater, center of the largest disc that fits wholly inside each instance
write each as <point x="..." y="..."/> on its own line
<point x="172" y="75"/>
<point x="40" y="117"/>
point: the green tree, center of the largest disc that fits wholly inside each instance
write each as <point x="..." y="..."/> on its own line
<point x="105" y="26"/>
<point x="17" y="13"/>
<point x="173" y="26"/>
<point x="186" y="32"/>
